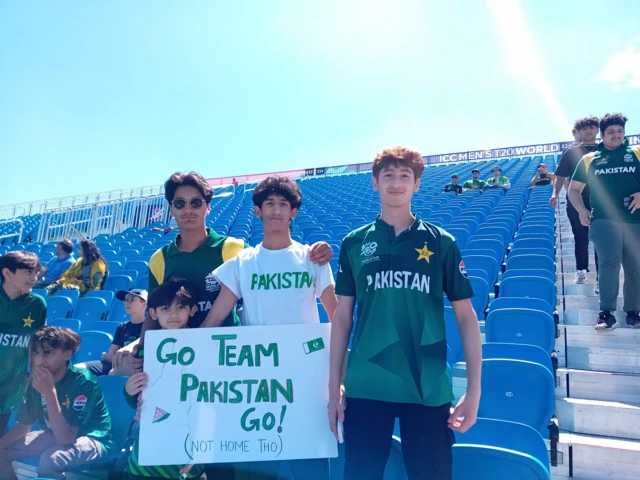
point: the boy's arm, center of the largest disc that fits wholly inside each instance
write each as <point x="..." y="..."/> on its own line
<point x="18" y="432"/>
<point x="221" y="308"/>
<point x="534" y="180"/>
<point x="329" y="301"/>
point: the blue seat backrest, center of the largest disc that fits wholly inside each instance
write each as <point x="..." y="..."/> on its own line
<point x="90" y="309"/>
<point x="481" y="295"/>
<point x="510" y="435"/>
<point x="532" y="287"/>
<point x="491" y="247"/>
<point x="521" y="302"/>
<point x="102" y="326"/>
<point x="107" y="295"/>
<point x="59" y="307"/>
<point x="92" y="345"/>
<point x="531" y="243"/>
<point x="120" y="412"/>
<point x="454" y="342"/>
<point x="482" y="262"/>
<point x="517" y="391"/>
<point x="118" y="282"/>
<point x="72" y="294"/>
<point x="70" y="323"/>
<point x="530" y="353"/>
<point x="538" y="272"/>
<point x="520" y="325"/>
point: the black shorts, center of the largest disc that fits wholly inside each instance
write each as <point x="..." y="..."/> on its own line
<point x="426" y="438"/>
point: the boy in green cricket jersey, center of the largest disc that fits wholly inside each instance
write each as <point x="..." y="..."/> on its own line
<point x="612" y="173"/>
<point x="68" y="405"/>
<point x="21" y="313"/>
<point x="475" y="183"/>
<point x="172" y="304"/>
<point x="398" y="269"/>
<point x="498" y="180"/>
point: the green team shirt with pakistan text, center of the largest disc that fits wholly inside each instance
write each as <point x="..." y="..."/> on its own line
<point x="612" y="175"/>
<point x="196" y="268"/>
<point x="399" y="351"/>
<point x="19" y="319"/>
<point x="81" y="402"/>
<point x="501" y="179"/>
<point x="453" y="188"/>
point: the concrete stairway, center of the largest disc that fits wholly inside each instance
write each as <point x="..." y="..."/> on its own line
<point x="598" y="380"/>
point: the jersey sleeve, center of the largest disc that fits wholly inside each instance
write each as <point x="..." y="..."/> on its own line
<point x="467" y="184"/>
<point x="229" y="275"/>
<point x="345" y="285"/>
<point x="580" y="175"/>
<point x="323" y="278"/>
<point x="83" y="399"/>
<point x="27" y="414"/>
<point x="455" y="281"/>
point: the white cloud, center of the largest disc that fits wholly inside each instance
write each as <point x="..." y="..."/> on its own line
<point x="622" y="69"/>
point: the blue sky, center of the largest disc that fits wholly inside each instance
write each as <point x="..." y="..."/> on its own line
<point x="103" y="95"/>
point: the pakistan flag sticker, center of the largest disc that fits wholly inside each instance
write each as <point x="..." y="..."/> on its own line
<point x="160" y="415"/>
<point x="313" y="345"/>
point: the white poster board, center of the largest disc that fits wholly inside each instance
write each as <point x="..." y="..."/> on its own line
<point x="238" y="394"/>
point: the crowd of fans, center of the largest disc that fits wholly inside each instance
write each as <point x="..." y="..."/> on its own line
<point x="74" y="427"/>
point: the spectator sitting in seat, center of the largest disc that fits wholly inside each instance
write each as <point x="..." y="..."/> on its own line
<point x="475" y="183"/>
<point x="498" y="180"/>
<point x="21" y="313"/>
<point x="453" y="186"/>
<point x="135" y="304"/>
<point x="58" y="265"/>
<point x="75" y="427"/>
<point x="86" y="274"/>
<point x="172" y="304"/>
<point x="542" y="177"/>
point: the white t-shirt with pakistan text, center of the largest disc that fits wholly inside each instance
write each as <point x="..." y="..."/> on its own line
<point x="278" y="287"/>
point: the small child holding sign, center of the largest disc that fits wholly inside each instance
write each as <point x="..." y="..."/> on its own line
<point x="171" y="304"/>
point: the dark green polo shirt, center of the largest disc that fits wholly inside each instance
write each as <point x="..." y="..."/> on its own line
<point x="196" y="268"/>
<point x="612" y="175"/>
<point x="399" y="352"/>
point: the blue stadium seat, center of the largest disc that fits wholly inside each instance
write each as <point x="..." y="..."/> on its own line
<point x="517" y="391"/>
<point x="500" y="450"/>
<point x="59" y="307"/>
<point x="493" y="248"/>
<point x="129" y="273"/>
<point x="524" y="259"/>
<point x="90" y="309"/>
<point x="118" y="282"/>
<point x="515" y="351"/>
<point x="521" y="325"/>
<point x="40" y="291"/>
<point x="101" y="326"/>
<point x="92" y="345"/>
<point x="107" y="295"/>
<point x="120" y="412"/>
<point x="483" y="262"/>
<point x="521" y="302"/>
<point x="454" y="342"/>
<point x="538" y="272"/>
<point x="70" y="323"/>
<point x="71" y="293"/>
<point x="530" y="287"/>
<point x="139" y="266"/>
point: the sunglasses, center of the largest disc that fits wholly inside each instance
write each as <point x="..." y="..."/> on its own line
<point x="180" y="203"/>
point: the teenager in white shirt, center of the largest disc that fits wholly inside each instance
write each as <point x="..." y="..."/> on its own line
<point x="279" y="285"/>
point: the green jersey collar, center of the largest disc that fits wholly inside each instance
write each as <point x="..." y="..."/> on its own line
<point x="211" y="238"/>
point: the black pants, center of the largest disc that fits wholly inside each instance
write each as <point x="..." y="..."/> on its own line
<point x="580" y="236"/>
<point x="426" y="439"/>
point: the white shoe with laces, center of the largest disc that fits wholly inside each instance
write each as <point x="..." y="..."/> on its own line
<point x="582" y="276"/>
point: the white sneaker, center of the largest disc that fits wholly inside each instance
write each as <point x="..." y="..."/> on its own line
<point x="581" y="276"/>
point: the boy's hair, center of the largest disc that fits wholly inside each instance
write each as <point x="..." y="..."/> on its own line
<point x="398" y="157"/>
<point x="173" y="289"/>
<point x="18" y="259"/>
<point x="283" y="186"/>
<point x="585" y="122"/>
<point x="612" y="119"/>
<point x="66" y="245"/>
<point x="56" y="337"/>
<point x="192" y="179"/>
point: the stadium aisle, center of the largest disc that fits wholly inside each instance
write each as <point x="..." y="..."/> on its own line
<point x="598" y="382"/>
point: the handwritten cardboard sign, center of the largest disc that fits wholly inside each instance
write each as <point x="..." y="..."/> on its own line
<point x="238" y="394"/>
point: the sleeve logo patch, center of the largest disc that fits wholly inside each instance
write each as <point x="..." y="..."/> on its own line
<point x="463" y="269"/>
<point x="79" y="403"/>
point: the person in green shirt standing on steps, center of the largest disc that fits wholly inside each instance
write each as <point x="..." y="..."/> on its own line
<point x="22" y="312"/>
<point x="398" y="269"/>
<point x="612" y="173"/>
<point x="74" y="422"/>
<point x="475" y="183"/>
<point x="453" y="186"/>
<point x="498" y="180"/>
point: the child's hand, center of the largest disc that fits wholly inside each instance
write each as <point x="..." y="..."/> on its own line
<point x="136" y="383"/>
<point x="138" y="408"/>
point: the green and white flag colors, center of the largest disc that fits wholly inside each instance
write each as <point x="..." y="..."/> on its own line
<point x="237" y="394"/>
